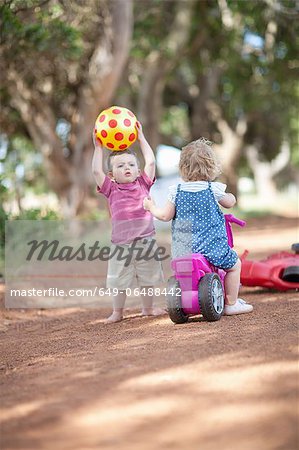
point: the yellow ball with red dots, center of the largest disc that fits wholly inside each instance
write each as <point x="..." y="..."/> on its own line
<point x="115" y="128"/>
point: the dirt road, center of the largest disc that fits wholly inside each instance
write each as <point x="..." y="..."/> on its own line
<point x="69" y="382"/>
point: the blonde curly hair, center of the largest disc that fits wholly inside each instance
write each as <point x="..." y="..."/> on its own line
<point x="198" y="161"/>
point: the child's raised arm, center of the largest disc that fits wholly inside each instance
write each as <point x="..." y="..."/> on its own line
<point x="148" y="154"/>
<point x="167" y="213"/>
<point x="97" y="162"/>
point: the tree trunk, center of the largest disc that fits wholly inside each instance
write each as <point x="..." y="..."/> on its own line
<point x="70" y="175"/>
<point x="265" y="171"/>
<point x="105" y="69"/>
<point x="158" y="65"/>
<point x="230" y="150"/>
<point x="207" y="86"/>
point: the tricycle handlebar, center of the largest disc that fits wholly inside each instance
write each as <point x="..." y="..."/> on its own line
<point x="229" y="219"/>
<point x="233" y="219"/>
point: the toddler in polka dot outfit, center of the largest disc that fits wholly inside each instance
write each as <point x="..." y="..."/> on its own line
<point x="198" y="224"/>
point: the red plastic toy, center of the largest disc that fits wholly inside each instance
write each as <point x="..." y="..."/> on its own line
<point x="278" y="271"/>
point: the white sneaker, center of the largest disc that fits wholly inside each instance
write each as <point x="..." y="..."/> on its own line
<point x="240" y="307"/>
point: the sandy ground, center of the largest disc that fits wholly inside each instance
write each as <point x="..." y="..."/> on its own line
<point x="70" y="382"/>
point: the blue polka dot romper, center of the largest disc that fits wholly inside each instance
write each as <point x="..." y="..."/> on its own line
<point x="199" y="227"/>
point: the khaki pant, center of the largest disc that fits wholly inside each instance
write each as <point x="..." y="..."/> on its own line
<point x="134" y="265"/>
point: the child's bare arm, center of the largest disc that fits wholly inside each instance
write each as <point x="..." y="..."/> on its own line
<point x="167" y="213"/>
<point x="97" y="163"/>
<point x="228" y="201"/>
<point x="148" y="154"/>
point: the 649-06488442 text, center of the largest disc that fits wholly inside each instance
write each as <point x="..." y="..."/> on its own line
<point x="94" y="292"/>
<point x="136" y="292"/>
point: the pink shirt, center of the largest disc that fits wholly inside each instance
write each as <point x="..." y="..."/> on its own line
<point x="129" y="219"/>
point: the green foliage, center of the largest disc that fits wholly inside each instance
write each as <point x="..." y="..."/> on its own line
<point x="3" y="218"/>
<point x="30" y="214"/>
<point x="37" y="214"/>
<point x="175" y="123"/>
<point x="50" y="43"/>
<point x="259" y="70"/>
<point x="152" y="21"/>
<point x="39" y="42"/>
<point x="94" y="214"/>
<point x="22" y="168"/>
<point x="42" y="34"/>
<point x="3" y="188"/>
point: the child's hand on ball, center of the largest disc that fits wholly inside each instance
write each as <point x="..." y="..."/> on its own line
<point x="148" y="203"/>
<point x="139" y="130"/>
<point x="96" y="142"/>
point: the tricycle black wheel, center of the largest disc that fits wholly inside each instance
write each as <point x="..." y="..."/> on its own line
<point x="211" y="297"/>
<point x="174" y="303"/>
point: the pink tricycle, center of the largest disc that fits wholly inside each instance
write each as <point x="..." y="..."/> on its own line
<point x="197" y="286"/>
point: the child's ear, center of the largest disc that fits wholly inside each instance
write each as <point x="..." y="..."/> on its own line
<point x="110" y="175"/>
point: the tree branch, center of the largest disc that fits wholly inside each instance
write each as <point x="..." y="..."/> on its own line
<point x="159" y="63"/>
<point x="216" y="115"/>
<point x="105" y="69"/>
<point x="41" y="125"/>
